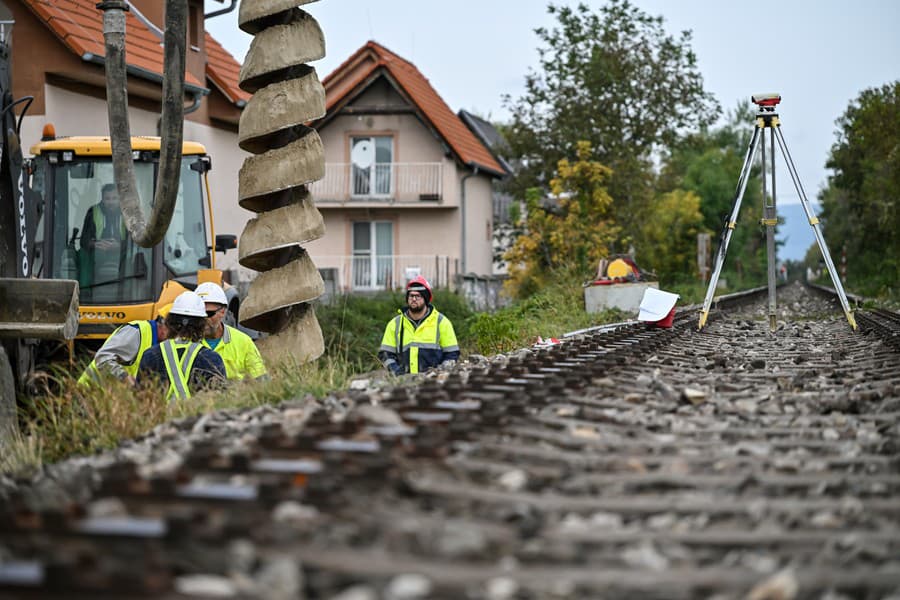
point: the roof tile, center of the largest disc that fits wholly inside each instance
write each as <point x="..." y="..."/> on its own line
<point x="79" y="26"/>
<point x="419" y="89"/>
<point x="224" y="71"/>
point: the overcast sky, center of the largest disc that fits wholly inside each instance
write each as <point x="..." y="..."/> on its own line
<point x="818" y="54"/>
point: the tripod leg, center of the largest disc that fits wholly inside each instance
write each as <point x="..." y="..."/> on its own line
<point x="770" y="220"/>
<point x="729" y="227"/>
<point x="814" y="222"/>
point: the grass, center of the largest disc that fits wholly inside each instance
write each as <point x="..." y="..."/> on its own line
<point x="20" y="453"/>
<point x="555" y="310"/>
<point x="68" y="420"/>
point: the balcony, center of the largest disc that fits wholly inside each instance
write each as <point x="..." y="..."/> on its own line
<point x="414" y="184"/>
<point x="370" y="273"/>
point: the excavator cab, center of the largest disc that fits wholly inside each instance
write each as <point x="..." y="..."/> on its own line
<point x="82" y="235"/>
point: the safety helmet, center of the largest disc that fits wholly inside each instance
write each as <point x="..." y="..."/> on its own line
<point x="163" y="311"/>
<point x="420" y="284"/>
<point x="619" y="268"/>
<point x="211" y="292"/>
<point x="188" y="304"/>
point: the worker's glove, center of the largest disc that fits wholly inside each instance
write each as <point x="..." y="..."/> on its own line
<point x="447" y="365"/>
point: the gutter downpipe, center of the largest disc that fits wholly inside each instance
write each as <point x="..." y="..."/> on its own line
<point x="462" y="208"/>
<point x="197" y="93"/>
<point x="221" y="11"/>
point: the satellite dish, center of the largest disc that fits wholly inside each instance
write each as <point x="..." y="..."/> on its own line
<point x="363" y="154"/>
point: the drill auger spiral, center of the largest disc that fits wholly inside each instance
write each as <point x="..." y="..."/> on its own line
<point x="287" y="156"/>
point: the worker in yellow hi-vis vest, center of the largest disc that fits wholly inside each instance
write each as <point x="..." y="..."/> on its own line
<point x="120" y="355"/>
<point x="241" y="356"/>
<point x="183" y="363"/>
<point x="420" y="337"/>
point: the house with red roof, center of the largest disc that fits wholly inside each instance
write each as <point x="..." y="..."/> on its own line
<point x="58" y="58"/>
<point x="407" y="187"/>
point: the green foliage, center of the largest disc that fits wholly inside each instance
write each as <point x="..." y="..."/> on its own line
<point x="859" y="206"/>
<point x="670" y="236"/>
<point x="557" y="308"/>
<point x="572" y="234"/>
<point x="690" y="292"/>
<point x="616" y="79"/>
<point x="708" y="163"/>
<point x="69" y="420"/>
<point x="353" y="324"/>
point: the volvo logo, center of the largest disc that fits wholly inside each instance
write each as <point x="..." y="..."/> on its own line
<point x="23" y="232"/>
<point x="105" y="315"/>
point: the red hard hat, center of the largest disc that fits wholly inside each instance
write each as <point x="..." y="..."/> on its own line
<point x="420" y="284"/>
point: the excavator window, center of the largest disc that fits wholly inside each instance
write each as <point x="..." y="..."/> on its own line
<point x="185" y="246"/>
<point x="89" y="239"/>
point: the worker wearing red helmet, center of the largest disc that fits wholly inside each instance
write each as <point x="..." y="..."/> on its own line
<point x="420" y="337"/>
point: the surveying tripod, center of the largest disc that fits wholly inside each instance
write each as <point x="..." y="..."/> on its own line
<point x="767" y="118"/>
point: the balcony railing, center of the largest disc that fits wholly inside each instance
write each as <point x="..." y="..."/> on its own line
<point x="380" y="182"/>
<point x="367" y="273"/>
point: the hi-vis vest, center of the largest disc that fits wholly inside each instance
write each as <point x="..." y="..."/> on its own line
<point x="179" y="371"/>
<point x="240" y="355"/>
<point x="419" y="348"/>
<point x="92" y="374"/>
<point x="100" y="223"/>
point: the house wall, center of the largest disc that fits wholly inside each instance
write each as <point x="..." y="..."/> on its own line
<point x="76" y="114"/>
<point x="430" y="231"/>
<point x="479" y="225"/>
<point x="419" y="235"/>
<point x="35" y="51"/>
<point x="195" y="55"/>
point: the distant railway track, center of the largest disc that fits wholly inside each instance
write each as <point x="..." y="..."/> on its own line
<point x="632" y="463"/>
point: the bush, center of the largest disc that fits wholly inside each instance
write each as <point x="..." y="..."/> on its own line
<point x="556" y="309"/>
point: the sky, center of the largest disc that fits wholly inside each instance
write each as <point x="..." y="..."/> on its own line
<point x="818" y="54"/>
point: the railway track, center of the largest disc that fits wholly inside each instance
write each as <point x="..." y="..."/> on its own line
<point x="632" y="463"/>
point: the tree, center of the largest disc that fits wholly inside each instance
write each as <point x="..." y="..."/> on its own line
<point x="615" y="79"/>
<point x="670" y="236"/>
<point x="859" y="206"/>
<point x="571" y="233"/>
<point x="708" y="163"/>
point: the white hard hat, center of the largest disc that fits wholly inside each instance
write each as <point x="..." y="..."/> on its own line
<point x="188" y="304"/>
<point x="211" y="292"/>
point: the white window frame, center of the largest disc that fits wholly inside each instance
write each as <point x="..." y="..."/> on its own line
<point x="386" y="168"/>
<point x="374" y="261"/>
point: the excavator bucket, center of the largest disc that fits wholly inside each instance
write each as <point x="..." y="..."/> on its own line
<point x="38" y="308"/>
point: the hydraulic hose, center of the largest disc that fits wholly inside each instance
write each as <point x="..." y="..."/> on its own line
<point x="146" y="233"/>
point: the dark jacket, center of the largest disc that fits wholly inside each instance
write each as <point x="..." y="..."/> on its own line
<point x="208" y="368"/>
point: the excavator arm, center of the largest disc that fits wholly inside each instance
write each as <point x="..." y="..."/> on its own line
<point x="30" y="308"/>
<point x="150" y="231"/>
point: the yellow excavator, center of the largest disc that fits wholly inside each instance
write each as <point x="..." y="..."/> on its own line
<point x="46" y="205"/>
<point x="122" y="281"/>
<point x="70" y="266"/>
<point x="72" y="281"/>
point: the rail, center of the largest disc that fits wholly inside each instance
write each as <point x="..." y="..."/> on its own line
<point x="640" y="462"/>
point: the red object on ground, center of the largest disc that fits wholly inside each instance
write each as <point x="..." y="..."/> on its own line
<point x="665" y="322"/>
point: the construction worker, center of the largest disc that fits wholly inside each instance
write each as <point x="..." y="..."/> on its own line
<point x="242" y="358"/>
<point x="183" y="362"/>
<point x="120" y="355"/>
<point x="420" y="337"/>
<point x="102" y="237"/>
